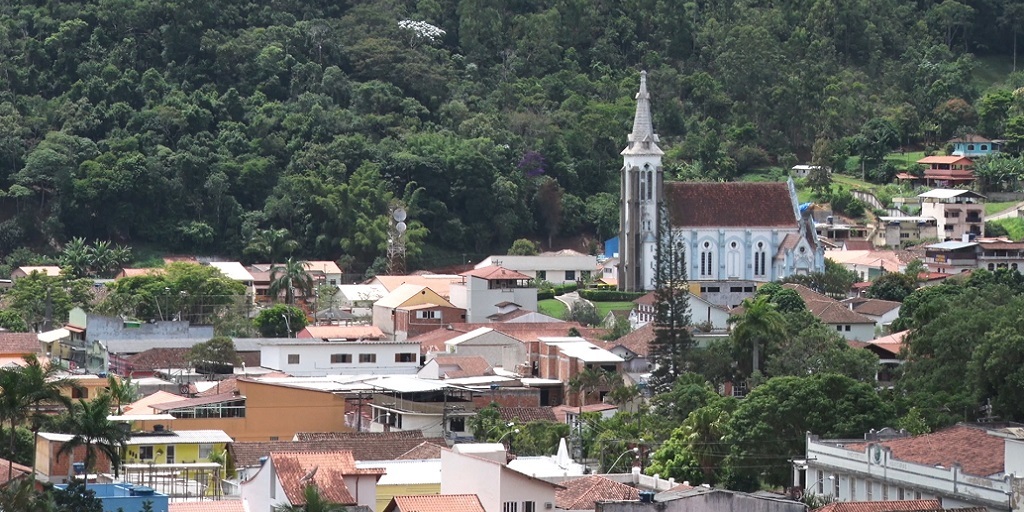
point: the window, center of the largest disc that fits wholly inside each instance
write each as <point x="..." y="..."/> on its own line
<point x="570" y="275"/>
<point x="407" y="357"/>
<point x="839" y="328"/>
<point x="431" y="315"/>
<point x="868" y="489"/>
<point x="853" y="489"/>
<point x="735" y="289"/>
<point x="146" y="452"/>
<point x="846" y="328"/>
<point x="529" y="506"/>
<point x="510" y="506"/>
<point x="760" y="268"/>
<point x="457" y="425"/>
<point x="79" y="392"/>
<point x="205" y="450"/>
<point x="885" y="492"/>
<point x="821" y="482"/>
<point x="341" y="358"/>
<point x="293" y="359"/>
<point x="367" y="358"/>
<point x="748" y="289"/>
<point x="899" y="494"/>
<point x="542" y="275"/>
<point x="917" y="495"/>
<point x="170" y="454"/>
<point x="835" y="485"/>
<point x="706" y="261"/>
<point x="984" y="147"/>
<point x="650" y="194"/>
<point x="970" y="147"/>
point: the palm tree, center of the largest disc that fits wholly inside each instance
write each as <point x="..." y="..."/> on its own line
<point x="22" y="496"/>
<point x="588" y="380"/>
<point x="121" y="391"/>
<point x="289" y="277"/>
<point x="314" y="502"/>
<point x="759" y="324"/>
<point x="95" y="432"/>
<point x="702" y="432"/>
<point x="24" y="391"/>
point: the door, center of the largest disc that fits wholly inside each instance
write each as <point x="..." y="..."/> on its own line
<point x="170" y="454"/>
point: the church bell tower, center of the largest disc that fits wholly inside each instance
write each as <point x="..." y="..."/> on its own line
<point x="641" y="197"/>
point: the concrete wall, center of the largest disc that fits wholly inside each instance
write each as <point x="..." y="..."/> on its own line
<point x="479" y="300"/>
<point x="497" y="348"/>
<point x="492" y="482"/>
<point x="315" y="358"/>
<point x="707" y="502"/>
<point x="112" y="328"/>
<point x="857" y="332"/>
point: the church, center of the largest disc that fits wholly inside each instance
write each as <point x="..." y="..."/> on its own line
<point x="736" y="235"/>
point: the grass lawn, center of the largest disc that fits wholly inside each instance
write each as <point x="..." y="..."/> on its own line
<point x="1014" y="227"/>
<point x="993" y="208"/>
<point x="551" y="307"/>
<point x="853" y="183"/>
<point x="604" y="307"/>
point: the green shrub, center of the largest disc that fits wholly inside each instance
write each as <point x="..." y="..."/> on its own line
<point x="563" y="289"/>
<point x="545" y="294"/>
<point x="609" y="295"/>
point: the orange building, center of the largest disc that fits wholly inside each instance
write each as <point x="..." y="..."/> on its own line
<point x="257" y="411"/>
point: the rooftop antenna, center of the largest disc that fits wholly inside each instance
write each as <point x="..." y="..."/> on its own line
<point x="396" y="240"/>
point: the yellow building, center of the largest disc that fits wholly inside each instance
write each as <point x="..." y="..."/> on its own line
<point x="86" y="387"/>
<point x="258" y="411"/>
<point x="155" y="447"/>
<point x="405" y="478"/>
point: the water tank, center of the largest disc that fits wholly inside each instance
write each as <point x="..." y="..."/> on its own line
<point x="79" y="468"/>
<point x="646" y="497"/>
<point x="142" y="490"/>
<point x="263" y="460"/>
<point x="158" y="428"/>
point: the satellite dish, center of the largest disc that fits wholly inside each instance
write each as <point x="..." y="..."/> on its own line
<point x="399" y="215"/>
<point x="401" y="227"/>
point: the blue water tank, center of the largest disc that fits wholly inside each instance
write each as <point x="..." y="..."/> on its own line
<point x="79" y="468"/>
<point x="142" y="490"/>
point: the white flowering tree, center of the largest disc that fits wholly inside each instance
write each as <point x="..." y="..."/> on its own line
<point x="420" y="31"/>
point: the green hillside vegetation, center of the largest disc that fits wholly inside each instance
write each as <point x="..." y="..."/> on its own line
<point x="235" y="127"/>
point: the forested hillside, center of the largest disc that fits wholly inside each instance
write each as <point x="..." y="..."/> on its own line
<point x="209" y="126"/>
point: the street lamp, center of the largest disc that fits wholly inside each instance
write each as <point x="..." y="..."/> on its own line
<point x="634" y="450"/>
<point x="287" y="324"/>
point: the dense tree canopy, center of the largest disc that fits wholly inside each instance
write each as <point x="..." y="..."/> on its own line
<point x="237" y="128"/>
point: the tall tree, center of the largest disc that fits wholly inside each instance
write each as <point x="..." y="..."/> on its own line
<point x="672" y="338"/>
<point x="288" y="278"/>
<point x="759" y="326"/>
<point x="92" y="430"/>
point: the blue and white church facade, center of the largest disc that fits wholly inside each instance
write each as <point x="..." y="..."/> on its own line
<point x="736" y="234"/>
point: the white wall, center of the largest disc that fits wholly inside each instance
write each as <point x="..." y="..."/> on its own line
<point x="882" y="469"/>
<point x="315" y="358"/>
<point x="363" y="489"/>
<point x="497" y="348"/>
<point x="479" y="301"/>
<point x="492" y="482"/>
<point x="263" y="491"/>
<point x="554" y="267"/>
<point x="857" y="332"/>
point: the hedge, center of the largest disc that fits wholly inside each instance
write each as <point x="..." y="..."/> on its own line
<point x="545" y="294"/>
<point x="609" y="295"/>
<point x="563" y="289"/>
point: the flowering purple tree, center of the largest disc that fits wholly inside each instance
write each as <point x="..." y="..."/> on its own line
<point x="532" y="164"/>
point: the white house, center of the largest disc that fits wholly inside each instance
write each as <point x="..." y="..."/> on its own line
<point x="282" y="479"/>
<point x="487" y="475"/>
<point x="402" y="403"/>
<point x="311" y="357"/>
<point x="559" y="267"/>
<point x="882" y="312"/>
<point x="804" y="170"/>
<point x="492" y="290"/>
<point x="731" y="231"/>
<point x="702" y="312"/>
<point x="957" y="212"/>
<point x="851" y="325"/>
<point x="963" y="466"/>
<point x="234" y="271"/>
<point x="359" y="298"/>
<point x="497" y="348"/>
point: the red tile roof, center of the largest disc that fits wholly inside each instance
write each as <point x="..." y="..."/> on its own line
<point x="827" y="309"/>
<point x="456" y="367"/>
<point x="363" y="445"/>
<point x="646" y="300"/>
<point x="874" y="307"/>
<point x="19" y="343"/>
<point x="326" y="470"/>
<point x="638" y="341"/>
<point x="229" y="385"/>
<point x="496" y="273"/>
<point x="425" y="450"/>
<point x="858" y="245"/>
<point x="977" y="452"/>
<point x="527" y="414"/>
<point x="206" y="506"/>
<point x="584" y="493"/>
<point x="883" y="506"/>
<point x="19" y="471"/>
<point x="155" y="358"/>
<point x="970" y="137"/>
<point x="524" y="332"/>
<point x="733" y="204"/>
<point x="436" y="503"/>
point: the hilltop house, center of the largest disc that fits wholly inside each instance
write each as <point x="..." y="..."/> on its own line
<point x="956" y="212"/>
<point x="974" y="145"/>
<point x="850" y="324"/>
<point x="283" y="478"/>
<point x="945" y="171"/>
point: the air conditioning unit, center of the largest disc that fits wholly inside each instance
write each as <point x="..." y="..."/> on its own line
<point x="548" y="505"/>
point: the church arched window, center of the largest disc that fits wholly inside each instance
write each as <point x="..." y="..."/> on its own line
<point x="650" y="185"/>
<point x="706" y="260"/>
<point x="760" y="260"/>
<point x="734" y="265"/>
<point x="643" y="184"/>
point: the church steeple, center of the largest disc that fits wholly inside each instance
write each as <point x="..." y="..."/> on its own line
<point x="643" y="140"/>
